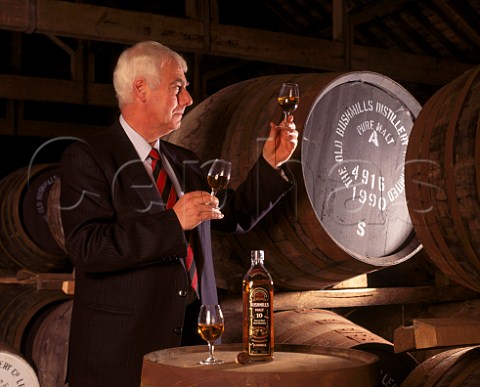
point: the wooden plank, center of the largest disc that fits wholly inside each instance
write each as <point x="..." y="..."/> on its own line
<point x="450" y="10"/>
<point x="345" y="298"/>
<point x="56" y="129"/>
<point x="276" y="47"/>
<point x="47" y="129"/>
<point x="360" y="281"/>
<point x="14" y="15"/>
<point x="56" y="90"/>
<point x="444" y="331"/>
<point x="7" y="127"/>
<point x="404" y="339"/>
<point x="437" y="332"/>
<point x="61" y="281"/>
<point x="407" y="67"/>
<point x="375" y="10"/>
<point x="68" y="287"/>
<point x="112" y="25"/>
<point x="338" y="19"/>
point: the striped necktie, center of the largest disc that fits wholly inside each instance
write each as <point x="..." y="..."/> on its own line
<point x="169" y="197"/>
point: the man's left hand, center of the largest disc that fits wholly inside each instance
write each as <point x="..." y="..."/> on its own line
<point x="281" y="142"/>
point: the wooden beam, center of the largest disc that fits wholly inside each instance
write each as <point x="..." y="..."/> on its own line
<point x="338" y="17"/>
<point x="435" y="32"/>
<point x="14" y="15"/>
<point x="56" y="129"/>
<point x="114" y="25"/>
<point x="404" y="339"/>
<point x="56" y="90"/>
<point x="46" y="129"/>
<point x="118" y="26"/>
<point x="375" y="10"/>
<point x="343" y="31"/>
<point x="441" y="332"/>
<point x="451" y="11"/>
<point x="60" y="281"/>
<point x="407" y="67"/>
<point x="361" y="297"/>
<point x="7" y="127"/>
<point x="276" y="47"/>
<point x="437" y="333"/>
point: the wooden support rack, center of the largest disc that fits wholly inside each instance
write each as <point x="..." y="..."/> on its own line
<point x="427" y="333"/>
<point x="61" y="281"/>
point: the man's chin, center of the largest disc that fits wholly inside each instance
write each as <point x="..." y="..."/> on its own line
<point x="176" y="126"/>
<point x="173" y="128"/>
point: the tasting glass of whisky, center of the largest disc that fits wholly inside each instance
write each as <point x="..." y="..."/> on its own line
<point x="288" y="98"/>
<point x="219" y="175"/>
<point x="210" y="328"/>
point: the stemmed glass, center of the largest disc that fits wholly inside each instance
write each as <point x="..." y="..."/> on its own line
<point x="288" y="98"/>
<point x="219" y="175"/>
<point x="210" y="328"/>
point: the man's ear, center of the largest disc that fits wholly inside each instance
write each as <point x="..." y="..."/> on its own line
<point x="139" y="89"/>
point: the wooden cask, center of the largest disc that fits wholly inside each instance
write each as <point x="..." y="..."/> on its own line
<point x="325" y="328"/>
<point x="443" y="178"/>
<point x="36" y="324"/>
<point x="459" y="367"/>
<point x="26" y="241"/>
<point x="50" y="345"/>
<point x="304" y="365"/>
<point x="348" y="214"/>
<point x="54" y="215"/>
<point x="15" y="370"/>
<point x="22" y="308"/>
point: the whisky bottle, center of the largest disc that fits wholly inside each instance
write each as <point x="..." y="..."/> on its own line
<point x="258" y="328"/>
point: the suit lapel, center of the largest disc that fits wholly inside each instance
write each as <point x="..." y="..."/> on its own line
<point x="186" y="169"/>
<point x="132" y="170"/>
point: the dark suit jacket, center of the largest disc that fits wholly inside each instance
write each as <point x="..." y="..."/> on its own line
<point x="130" y="282"/>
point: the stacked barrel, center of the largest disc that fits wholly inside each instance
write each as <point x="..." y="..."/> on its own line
<point x="30" y="245"/>
<point x="348" y="214"/>
<point x="379" y="181"/>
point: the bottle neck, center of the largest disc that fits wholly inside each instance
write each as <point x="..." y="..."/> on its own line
<point x="257" y="257"/>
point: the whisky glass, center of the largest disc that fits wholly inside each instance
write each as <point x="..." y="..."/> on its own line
<point x="288" y="98"/>
<point x="210" y="328"/>
<point x="218" y="175"/>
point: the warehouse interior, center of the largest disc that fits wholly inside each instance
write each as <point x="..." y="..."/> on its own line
<point x="55" y="88"/>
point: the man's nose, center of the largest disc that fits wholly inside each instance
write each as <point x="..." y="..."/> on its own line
<point x="185" y="98"/>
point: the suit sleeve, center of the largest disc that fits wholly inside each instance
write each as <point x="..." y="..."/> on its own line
<point x="259" y="193"/>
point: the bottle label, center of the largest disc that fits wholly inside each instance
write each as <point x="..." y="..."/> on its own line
<point x="259" y="322"/>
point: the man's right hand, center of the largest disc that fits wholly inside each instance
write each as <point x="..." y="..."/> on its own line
<point x="196" y="207"/>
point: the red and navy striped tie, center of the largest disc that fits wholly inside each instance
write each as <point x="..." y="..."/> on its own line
<point x="169" y="197"/>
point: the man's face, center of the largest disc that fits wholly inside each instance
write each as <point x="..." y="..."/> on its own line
<point x="167" y="101"/>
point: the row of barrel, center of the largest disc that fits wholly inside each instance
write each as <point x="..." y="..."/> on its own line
<point x="34" y="335"/>
<point x="379" y="179"/>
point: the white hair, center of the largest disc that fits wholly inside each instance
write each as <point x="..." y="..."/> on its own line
<point x="143" y="60"/>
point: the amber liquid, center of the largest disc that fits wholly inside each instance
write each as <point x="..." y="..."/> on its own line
<point x="288" y="104"/>
<point x="210" y="332"/>
<point x="258" y="340"/>
<point x="217" y="183"/>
